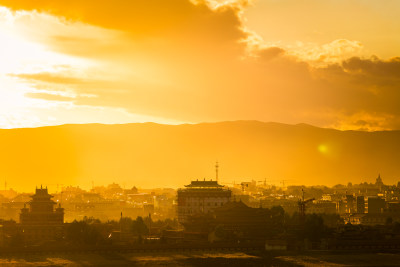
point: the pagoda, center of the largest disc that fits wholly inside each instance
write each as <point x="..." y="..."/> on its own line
<point x="201" y="197"/>
<point x="41" y="221"/>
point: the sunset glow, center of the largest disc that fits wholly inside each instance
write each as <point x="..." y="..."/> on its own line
<point x="199" y="132"/>
<point x="200" y="61"/>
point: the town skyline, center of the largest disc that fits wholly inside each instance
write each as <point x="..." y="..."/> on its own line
<point x="199" y="133"/>
<point x="282" y="185"/>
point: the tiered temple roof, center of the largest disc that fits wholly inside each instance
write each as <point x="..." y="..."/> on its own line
<point x="204" y="184"/>
<point x="41" y="209"/>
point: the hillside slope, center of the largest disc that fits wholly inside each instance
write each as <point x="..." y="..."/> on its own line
<point x="154" y="155"/>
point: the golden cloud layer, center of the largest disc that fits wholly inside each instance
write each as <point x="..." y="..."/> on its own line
<point x="192" y="62"/>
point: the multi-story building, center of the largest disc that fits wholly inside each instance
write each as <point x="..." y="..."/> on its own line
<point x="201" y="197"/>
<point x="350" y="204"/>
<point x="321" y="207"/>
<point x="360" y="202"/>
<point x="376" y="205"/>
<point x="41" y="222"/>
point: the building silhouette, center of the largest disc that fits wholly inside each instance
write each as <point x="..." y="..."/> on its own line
<point x="376" y="205"/>
<point x="360" y="204"/>
<point x="238" y="219"/>
<point x="201" y="197"/>
<point x="41" y="221"/>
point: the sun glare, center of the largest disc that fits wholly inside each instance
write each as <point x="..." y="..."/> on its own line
<point x="323" y="149"/>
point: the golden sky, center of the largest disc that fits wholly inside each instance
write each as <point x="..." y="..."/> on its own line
<point x="327" y="63"/>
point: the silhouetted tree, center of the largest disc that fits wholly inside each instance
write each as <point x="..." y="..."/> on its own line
<point x="277" y="215"/>
<point x="126" y="224"/>
<point x="83" y="232"/>
<point x="314" y="228"/>
<point x="220" y="232"/>
<point x="139" y="227"/>
<point x="16" y="240"/>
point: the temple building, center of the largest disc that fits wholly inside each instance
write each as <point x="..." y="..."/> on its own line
<point x="201" y="197"/>
<point x="41" y="221"/>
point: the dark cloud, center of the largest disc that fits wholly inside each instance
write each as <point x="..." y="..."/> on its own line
<point x="146" y="18"/>
<point x="373" y="67"/>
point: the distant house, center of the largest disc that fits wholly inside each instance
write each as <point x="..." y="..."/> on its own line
<point x="327" y="207"/>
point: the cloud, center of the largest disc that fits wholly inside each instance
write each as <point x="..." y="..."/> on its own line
<point x="270" y="53"/>
<point x="48" y="77"/>
<point x="366" y="121"/>
<point x="373" y="67"/>
<point x="191" y="62"/>
<point x="333" y="52"/>
<point x="50" y="97"/>
<point x="146" y="18"/>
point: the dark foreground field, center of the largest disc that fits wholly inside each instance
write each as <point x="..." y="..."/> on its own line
<point x="206" y="259"/>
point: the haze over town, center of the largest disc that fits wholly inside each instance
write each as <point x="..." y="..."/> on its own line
<point x="199" y="132"/>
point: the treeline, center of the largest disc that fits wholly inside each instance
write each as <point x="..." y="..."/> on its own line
<point x="91" y="231"/>
<point x="271" y="223"/>
<point x="262" y="224"/>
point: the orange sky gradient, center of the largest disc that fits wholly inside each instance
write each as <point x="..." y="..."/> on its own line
<point x="327" y="63"/>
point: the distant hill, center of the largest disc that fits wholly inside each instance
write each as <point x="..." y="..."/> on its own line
<point x="154" y="155"/>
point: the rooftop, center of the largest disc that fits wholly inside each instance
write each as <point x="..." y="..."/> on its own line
<point x="204" y="184"/>
<point x="41" y="192"/>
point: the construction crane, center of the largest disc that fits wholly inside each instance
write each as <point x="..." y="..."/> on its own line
<point x="302" y="207"/>
<point x="264" y="182"/>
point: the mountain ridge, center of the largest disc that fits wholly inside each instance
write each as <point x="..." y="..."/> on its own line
<point x="162" y="155"/>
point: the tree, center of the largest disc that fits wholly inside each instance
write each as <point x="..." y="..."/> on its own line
<point x="220" y="232"/>
<point x="139" y="227"/>
<point x="314" y="228"/>
<point x="277" y="218"/>
<point x="83" y="232"/>
<point x="126" y="224"/>
<point x="17" y="240"/>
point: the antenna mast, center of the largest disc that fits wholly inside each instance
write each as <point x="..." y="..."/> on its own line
<point x="216" y="170"/>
